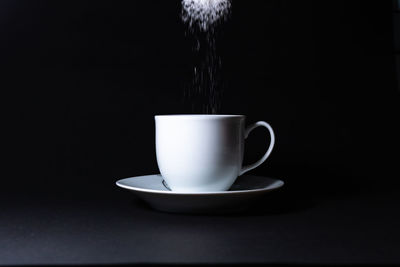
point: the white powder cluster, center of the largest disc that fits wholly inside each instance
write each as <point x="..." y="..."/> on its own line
<point x="204" y="13"/>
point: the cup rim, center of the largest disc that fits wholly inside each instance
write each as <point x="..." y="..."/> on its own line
<point x="198" y="116"/>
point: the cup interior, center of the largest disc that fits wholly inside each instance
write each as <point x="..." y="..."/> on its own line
<point x="198" y="116"/>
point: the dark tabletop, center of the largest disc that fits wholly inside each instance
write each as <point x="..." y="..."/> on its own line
<point x="104" y="224"/>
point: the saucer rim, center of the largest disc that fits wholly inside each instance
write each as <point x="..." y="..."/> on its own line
<point x="154" y="191"/>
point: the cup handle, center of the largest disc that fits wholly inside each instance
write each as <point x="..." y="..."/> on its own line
<point x="271" y="145"/>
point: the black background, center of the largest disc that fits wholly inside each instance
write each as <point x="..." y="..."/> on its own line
<point x="81" y="82"/>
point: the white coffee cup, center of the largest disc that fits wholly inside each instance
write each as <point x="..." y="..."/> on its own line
<point x="203" y="153"/>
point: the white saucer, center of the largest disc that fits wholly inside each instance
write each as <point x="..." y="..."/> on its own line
<point x="247" y="188"/>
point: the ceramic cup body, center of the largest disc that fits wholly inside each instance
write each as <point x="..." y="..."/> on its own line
<point x="203" y="153"/>
<point x="200" y="153"/>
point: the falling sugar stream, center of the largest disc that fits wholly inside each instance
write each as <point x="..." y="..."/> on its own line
<point x="203" y="18"/>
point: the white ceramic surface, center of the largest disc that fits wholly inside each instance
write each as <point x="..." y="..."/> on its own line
<point x="242" y="194"/>
<point x="200" y="153"/>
